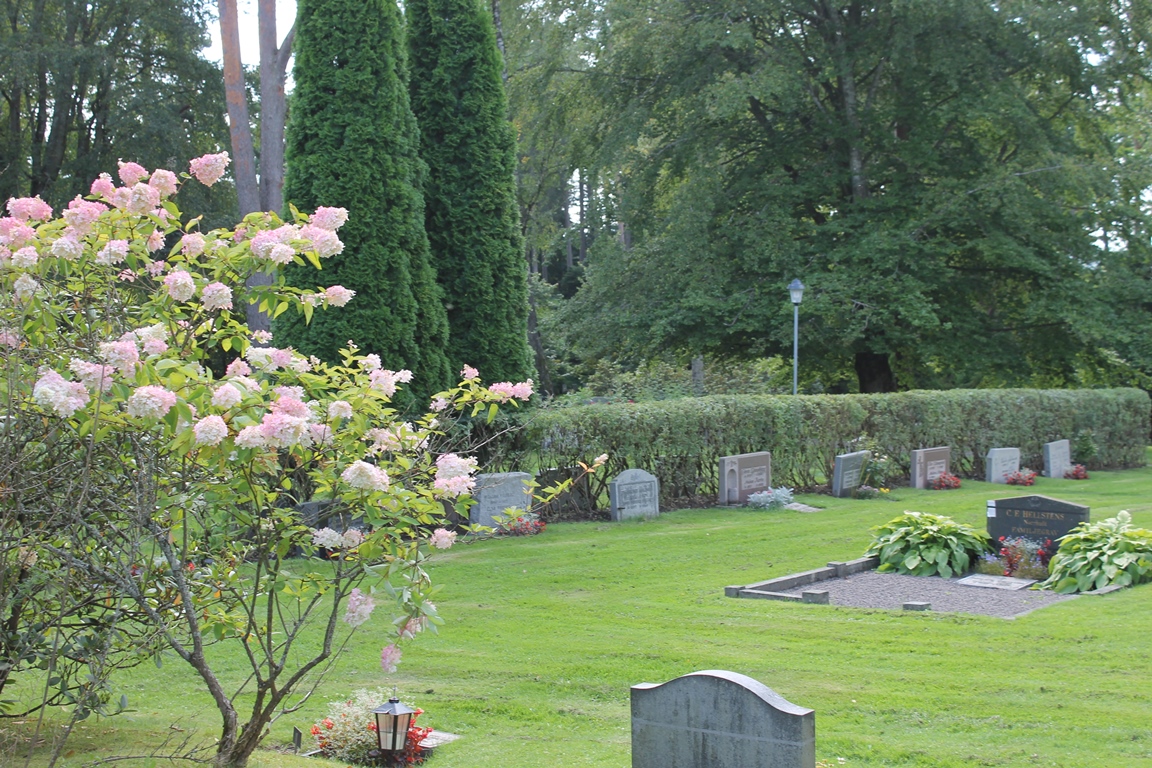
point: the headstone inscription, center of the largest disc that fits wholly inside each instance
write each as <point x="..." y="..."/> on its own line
<point x="634" y="493"/>
<point x="1038" y="518"/>
<point x="497" y="492"/>
<point x="928" y="464"/>
<point x="718" y="719"/>
<point x="1001" y="462"/>
<point x="1057" y="458"/>
<point x="848" y="472"/>
<point x="743" y="475"/>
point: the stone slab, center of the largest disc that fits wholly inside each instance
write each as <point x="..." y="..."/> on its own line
<point x="498" y="492"/>
<point x="1057" y="458"/>
<point x="742" y="475"/>
<point x="814" y="596"/>
<point x="848" y="473"/>
<point x="798" y="507"/>
<point x="634" y="493"/>
<point x="916" y="606"/>
<point x="1037" y="518"/>
<point x="1001" y="462"/>
<point x="719" y="719"/>
<point x="928" y="464"/>
<point x="989" y="581"/>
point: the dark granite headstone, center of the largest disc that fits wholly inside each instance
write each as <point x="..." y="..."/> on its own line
<point x="849" y="472"/>
<point x="1057" y="458"/>
<point x="1037" y="518"/>
<point x="572" y="504"/>
<point x="928" y="464"/>
<point x="743" y="475"/>
<point x="498" y="492"/>
<point x="634" y="493"/>
<point x="1001" y="462"/>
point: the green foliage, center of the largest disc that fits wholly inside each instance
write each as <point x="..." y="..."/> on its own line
<point x="681" y="440"/>
<point x="925" y="545"/>
<point x="1097" y="555"/>
<point x="353" y="143"/>
<point x="471" y="215"/>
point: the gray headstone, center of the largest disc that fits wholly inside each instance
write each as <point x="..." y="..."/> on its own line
<point x="1038" y="518"/>
<point x="928" y="464"/>
<point x="743" y="475"/>
<point x="634" y="493"/>
<point x="1001" y="462"/>
<point x="988" y="581"/>
<point x="1057" y="458"/>
<point x="716" y="719"/>
<point x="497" y="492"/>
<point x="849" y="472"/>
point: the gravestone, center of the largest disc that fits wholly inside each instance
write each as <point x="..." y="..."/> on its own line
<point x="717" y="719"/>
<point x="1038" y="518"/>
<point x="497" y="492"/>
<point x="928" y="464"/>
<point x="848" y="472"/>
<point x="634" y="493"/>
<point x="1001" y="462"/>
<point x="1057" y="458"/>
<point x="988" y="581"/>
<point x="743" y="475"/>
<point x="575" y="503"/>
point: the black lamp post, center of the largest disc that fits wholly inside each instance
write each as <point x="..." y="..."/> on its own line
<point x="796" y="288"/>
<point x="392" y="720"/>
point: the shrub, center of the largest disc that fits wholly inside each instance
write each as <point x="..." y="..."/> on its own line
<point x="923" y="544"/>
<point x="773" y="498"/>
<point x="946" y="482"/>
<point x="348" y="732"/>
<point x="1096" y="555"/>
<point x="1021" y="477"/>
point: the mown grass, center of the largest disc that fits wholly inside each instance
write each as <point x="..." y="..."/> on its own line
<point x="545" y="635"/>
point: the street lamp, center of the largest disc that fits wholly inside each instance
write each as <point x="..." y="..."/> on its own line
<point x="796" y="288"/>
<point x="392" y="720"/>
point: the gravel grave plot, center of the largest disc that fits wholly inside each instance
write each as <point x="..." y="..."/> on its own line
<point x="872" y="589"/>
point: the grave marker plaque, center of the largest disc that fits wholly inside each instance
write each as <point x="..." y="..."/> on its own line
<point x="1038" y="518"/>
<point x="1057" y="458"/>
<point x="497" y="492"/>
<point x="1001" y="462"/>
<point x="634" y="493"/>
<point x="744" y="474"/>
<point x="849" y="472"/>
<point x="928" y="464"/>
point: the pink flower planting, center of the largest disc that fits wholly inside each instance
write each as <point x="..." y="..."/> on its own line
<point x="164" y="182"/>
<point x="67" y="248"/>
<point x="281" y="253"/>
<point x="216" y="296"/>
<point x="122" y="355"/>
<point x="180" y="285"/>
<point x="506" y="391"/>
<point x="226" y="396"/>
<point x="442" y="538"/>
<point x="150" y="402"/>
<point x="339" y="409"/>
<point x="454" y="474"/>
<point x="113" y="253"/>
<point x="82" y="214"/>
<point x="390" y="438"/>
<point x="130" y="173"/>
<point x="25" y="287"/>
<point x="365" y="476"/>
<point x="142" y="199"/>
<point x="25" y="257"/>
<point x="280" y="430"/>
<point x="250" y="437"/>
<point x="16" y="234"/>
<point x="270" y="359"/>
<point x="323" y="241"/>
<point x="96" y="377"/>
<point x="263" y="243"/>
<point x="329" y="218"/>
<point x="209" y="169"/>
<point x="103" y="187"/>
<point x="389" y="658"/>
<point x="468" y="372"/>
<point x="155" y="243"/>
<point x="338" y="295"/>
<point x="210" y="430"/>
<point x="385" y="381"/>
<point x="25" y="208"/>
<point x="192" y="244"/>
<point x="54" y="391"/>
<point x="359" y="608"/>
<point x="262" y="337"/>
<point x="238" y="368"/>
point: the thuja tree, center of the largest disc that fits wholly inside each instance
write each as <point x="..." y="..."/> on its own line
<point x="188" y="514"/>
<point x="352" y="140"/>
<point x="471" y="216"/>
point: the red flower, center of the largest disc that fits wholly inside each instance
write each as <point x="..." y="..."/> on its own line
<point x="315" y="730"/>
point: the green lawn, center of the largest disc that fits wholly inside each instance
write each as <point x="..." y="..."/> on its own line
<point x="544" y="636"/>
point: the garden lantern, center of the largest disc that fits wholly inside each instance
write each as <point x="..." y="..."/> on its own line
<point x="392" y="721"/>
<point x="796" y="288"/>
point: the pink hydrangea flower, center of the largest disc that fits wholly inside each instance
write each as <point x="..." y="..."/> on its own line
<point x="24" y="208"/>
<point x="25" y="257"/>
<point x="96" y="377"/>
<point x="216" y="296"/>
<point x="113" y="253"/>
<point x="359" y="608"/>
<point x="54" y="391"/>
<point x="385" y="381"/>
<point x="506" y="391"/>
<point x="165" y="182"/>
<point x="468" y="372"/>
<point x="281" y="253"/>
<point x="324" y="241"/>
<point x="142" y="199"/>
<point x="413" y="627"/>
<point x="155" y="242"/>
<point x="454" y="474"/>
<point x="365" y="476"/>
<point x="25" y="287"/>
<point x="103" y="187"/>
<point x="150" y="402"/>
<point x="321" y="434"/>
<point x="262" y="337"/>
<point x="389" y="658"/>
<point x="67" y="248"/>
<point x="442" y="538"/>
<point x="210" y="430"/>
<point x="338" y="295"/>
<point x="329" y="218"/>
<point x="122" y="355"/>
<point x="439" y="404"/>
<point x="130" y="173"/>
<point x="327" y="538"/>
<point x="339" y="409"/>
<point x="82" y="214"/>
<point x="209" y="169"/>
<point x="265" y="241"/>
<point x="9" y="338"/>
<point x="281" y="430"/>
<point x="226" y="396"/>
<point x="238" y="368"/>
<point x="17" y="234"/>
<point x="370" y="362"/>
<point x="192" y="244"/>
<point x="250" y="437"/>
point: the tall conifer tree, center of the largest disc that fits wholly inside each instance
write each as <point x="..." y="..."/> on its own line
<point x="472" y="217"/>
<point x="353" y="142"/>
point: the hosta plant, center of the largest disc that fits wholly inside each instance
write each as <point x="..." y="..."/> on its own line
<point x="922" y="544"/>
<point x="1097" y="555"/>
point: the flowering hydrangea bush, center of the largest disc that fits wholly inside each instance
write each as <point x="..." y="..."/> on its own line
<point x="122" y="338"/>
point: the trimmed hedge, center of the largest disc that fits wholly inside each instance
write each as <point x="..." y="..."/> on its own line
<point x="681" y="441"/>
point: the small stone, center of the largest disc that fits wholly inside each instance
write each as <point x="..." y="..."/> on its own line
<point x="917" y="606"/>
